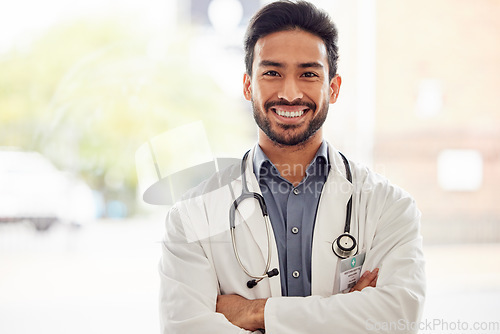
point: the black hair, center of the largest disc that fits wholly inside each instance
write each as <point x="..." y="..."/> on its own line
<point x="287" y="15"/>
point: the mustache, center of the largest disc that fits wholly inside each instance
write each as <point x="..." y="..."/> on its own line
<point x="298" y="102"/>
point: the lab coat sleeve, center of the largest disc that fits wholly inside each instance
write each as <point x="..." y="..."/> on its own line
<point x="394" y="306"/>
<point x="188" y="284"/>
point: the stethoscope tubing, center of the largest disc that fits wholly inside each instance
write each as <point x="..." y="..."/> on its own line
<point x="245" y="193"/>
<point x="268" y="261"/>
<point x="347" y="226"/>
<point x="337" y="248"/>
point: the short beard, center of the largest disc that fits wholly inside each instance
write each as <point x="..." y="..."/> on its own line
<point x="289" y="140"/>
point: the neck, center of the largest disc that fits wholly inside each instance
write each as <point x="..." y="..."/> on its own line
<point x="291" y="161"/>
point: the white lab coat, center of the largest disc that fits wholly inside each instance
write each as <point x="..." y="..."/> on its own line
<point x="198" y="261"/>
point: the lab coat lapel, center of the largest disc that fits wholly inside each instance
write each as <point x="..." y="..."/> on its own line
<point x="250" y="211"/>
<point x="330" y="222"/>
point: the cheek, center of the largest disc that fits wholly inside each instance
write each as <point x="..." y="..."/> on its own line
<point x="319" y="95"/>
<point x="259" y="94"/>
<point x="327" y="92"/>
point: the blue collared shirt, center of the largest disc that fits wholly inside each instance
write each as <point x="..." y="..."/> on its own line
<point x="292" y="211"/>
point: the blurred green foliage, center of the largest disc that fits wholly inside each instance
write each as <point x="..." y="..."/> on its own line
<point x="87" y="94"/>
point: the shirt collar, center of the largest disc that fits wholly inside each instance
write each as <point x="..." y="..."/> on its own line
<point x="260" y="158"/>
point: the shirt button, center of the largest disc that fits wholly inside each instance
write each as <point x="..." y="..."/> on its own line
<point x="296" y="191"/>
<point x="295" y="230"/>
<point x="296" y="274"/>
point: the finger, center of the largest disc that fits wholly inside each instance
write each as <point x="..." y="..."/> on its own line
<point x="375" y="277"/>
<point x="369" y="278"/>
<point x="373" y="283"/>
<point x="363" y="281"/>
<point x="360" y="283"/>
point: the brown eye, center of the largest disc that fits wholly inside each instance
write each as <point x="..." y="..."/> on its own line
<point x="310" y="75"/>
<point x="272" y="73"/>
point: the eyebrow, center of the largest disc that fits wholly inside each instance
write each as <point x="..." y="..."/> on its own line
<point x="270" y="63"/>
<point x="311" y="64"/>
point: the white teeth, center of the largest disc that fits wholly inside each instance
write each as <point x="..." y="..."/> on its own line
<point x="289" y="114"/>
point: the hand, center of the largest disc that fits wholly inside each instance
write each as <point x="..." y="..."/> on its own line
<point x="244" y="313"/>
<point x="369" y="278"/>
<point x="249" y="314"/>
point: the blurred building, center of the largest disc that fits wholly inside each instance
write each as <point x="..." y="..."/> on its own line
<point x="437" y="129"/>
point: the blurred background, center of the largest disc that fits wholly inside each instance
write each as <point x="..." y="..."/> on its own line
<point x="83" y="86"/>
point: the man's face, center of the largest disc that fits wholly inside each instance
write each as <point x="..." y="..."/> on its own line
<point x="289" y="87"/>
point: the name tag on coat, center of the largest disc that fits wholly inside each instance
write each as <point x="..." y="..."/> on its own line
<point x="350" y="271"/>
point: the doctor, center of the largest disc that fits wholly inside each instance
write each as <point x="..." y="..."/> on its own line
<point x="288" y="276"/>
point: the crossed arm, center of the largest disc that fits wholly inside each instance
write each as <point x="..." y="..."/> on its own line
<point x="249" y="314"/>
<point x="190" y="302"/>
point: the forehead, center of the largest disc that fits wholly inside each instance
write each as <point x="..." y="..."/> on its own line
<point x="291" y="47"/>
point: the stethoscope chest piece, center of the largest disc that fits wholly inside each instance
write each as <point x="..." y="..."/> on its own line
<point x="345" y="246"/>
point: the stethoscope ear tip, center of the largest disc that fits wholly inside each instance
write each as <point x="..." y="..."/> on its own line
<point x="273" y="272"/>
<point x="251" y="283"/>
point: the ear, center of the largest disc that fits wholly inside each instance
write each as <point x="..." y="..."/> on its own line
<point x="335" y="88"/>
<point x="247" y="86"/>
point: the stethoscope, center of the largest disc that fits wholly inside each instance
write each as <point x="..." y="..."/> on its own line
<point x="344" y="246"/>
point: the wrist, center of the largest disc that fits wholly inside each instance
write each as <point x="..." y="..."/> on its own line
<point x="258" y="308"/>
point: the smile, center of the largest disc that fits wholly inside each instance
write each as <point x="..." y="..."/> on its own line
<point x="289" y="114"/>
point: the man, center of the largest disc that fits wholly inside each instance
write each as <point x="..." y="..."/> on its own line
<point x="311" y="195"/>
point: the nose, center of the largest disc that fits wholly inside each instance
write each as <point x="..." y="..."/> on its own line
<point x="290" y="90"/>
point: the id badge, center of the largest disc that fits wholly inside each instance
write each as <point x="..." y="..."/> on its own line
<point x="350" y="271"/>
